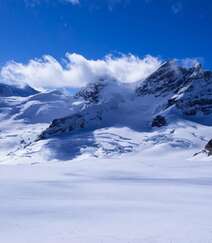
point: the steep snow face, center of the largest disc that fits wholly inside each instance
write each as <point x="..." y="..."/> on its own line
<point x="104" y="91"/>
<point x="10" y="90"/>
<point x="172" y="90"/>
<point x="103" y="104"/>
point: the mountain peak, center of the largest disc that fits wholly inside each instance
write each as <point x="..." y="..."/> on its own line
<point x="7" y="90"/>
<point x="171" y="88"/>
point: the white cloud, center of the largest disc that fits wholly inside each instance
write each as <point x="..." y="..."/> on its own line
<point x="78" y="71"/>
<point x="33" y="3"/>
<point x="73" y="1"/>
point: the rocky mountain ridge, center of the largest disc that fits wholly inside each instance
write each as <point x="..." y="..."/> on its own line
<point x="171" y="107"/>
<point x="172" y="90"/>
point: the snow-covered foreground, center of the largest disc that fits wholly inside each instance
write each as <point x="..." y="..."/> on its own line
<point x="135" y="199"/>
<point x="113" y="163"/>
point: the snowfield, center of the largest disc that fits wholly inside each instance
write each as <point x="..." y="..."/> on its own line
<point x="82" y="189"/>
<point x="133" y="199"/>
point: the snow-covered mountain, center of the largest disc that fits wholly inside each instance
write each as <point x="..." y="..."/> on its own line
<point x="189" y="90"/>
<point x="172" y="107"/>
<point x="123" y="153"/>
<point x="7" y="90"/>
<point x="130" y="145"/>
<point x="172" y="91"/>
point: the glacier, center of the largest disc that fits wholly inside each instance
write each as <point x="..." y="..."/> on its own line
<point x="90" y="167"/>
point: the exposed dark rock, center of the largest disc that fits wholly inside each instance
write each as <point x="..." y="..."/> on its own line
<point x="159" y="121"/>
<point x="91" y="92"/>
<point x="168" y="78"/>
<point x="76" y="122"/>
<point x="64" y="125"/>
<point x="208" y="147"/>
<point x="188" y="89"/>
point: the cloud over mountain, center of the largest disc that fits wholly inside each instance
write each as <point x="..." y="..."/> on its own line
<point x="77" y="71"/>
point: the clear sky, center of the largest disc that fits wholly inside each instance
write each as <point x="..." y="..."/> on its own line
<point x="94" y="28"/>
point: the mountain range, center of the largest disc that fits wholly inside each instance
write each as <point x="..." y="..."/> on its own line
<point x="172" y="108"/>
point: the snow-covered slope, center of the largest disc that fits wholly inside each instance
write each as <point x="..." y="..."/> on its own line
<point x="189" y="90"/>
<point x="149" y="197"/>
<point x="172" y="90"/>
<point x="22" y="119"/>
<point x="7" y="90"/>
<point x="122" y="162"/>
<point x="172" y="95"/>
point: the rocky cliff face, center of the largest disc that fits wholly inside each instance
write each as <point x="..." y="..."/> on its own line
<point x="73" y="123"/>
<point x="208" y="148"/>
<point x="166" y="81"/>
<point x="91" y="93"/>
<point x="187" y="89"/>
<point x="197" y="96"/>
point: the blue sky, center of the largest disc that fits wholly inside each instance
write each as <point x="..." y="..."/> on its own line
<point x="94" y="28"/>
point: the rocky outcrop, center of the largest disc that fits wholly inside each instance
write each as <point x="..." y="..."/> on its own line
<point x="63" y="125"/>
<point x="76" y="122"/>
<point x="187" y="89"/>
<point x="91" y="93"/>
<point x="208" y="148"/>
<point x="159" y="121"/>
<point x="168" y="79"/>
